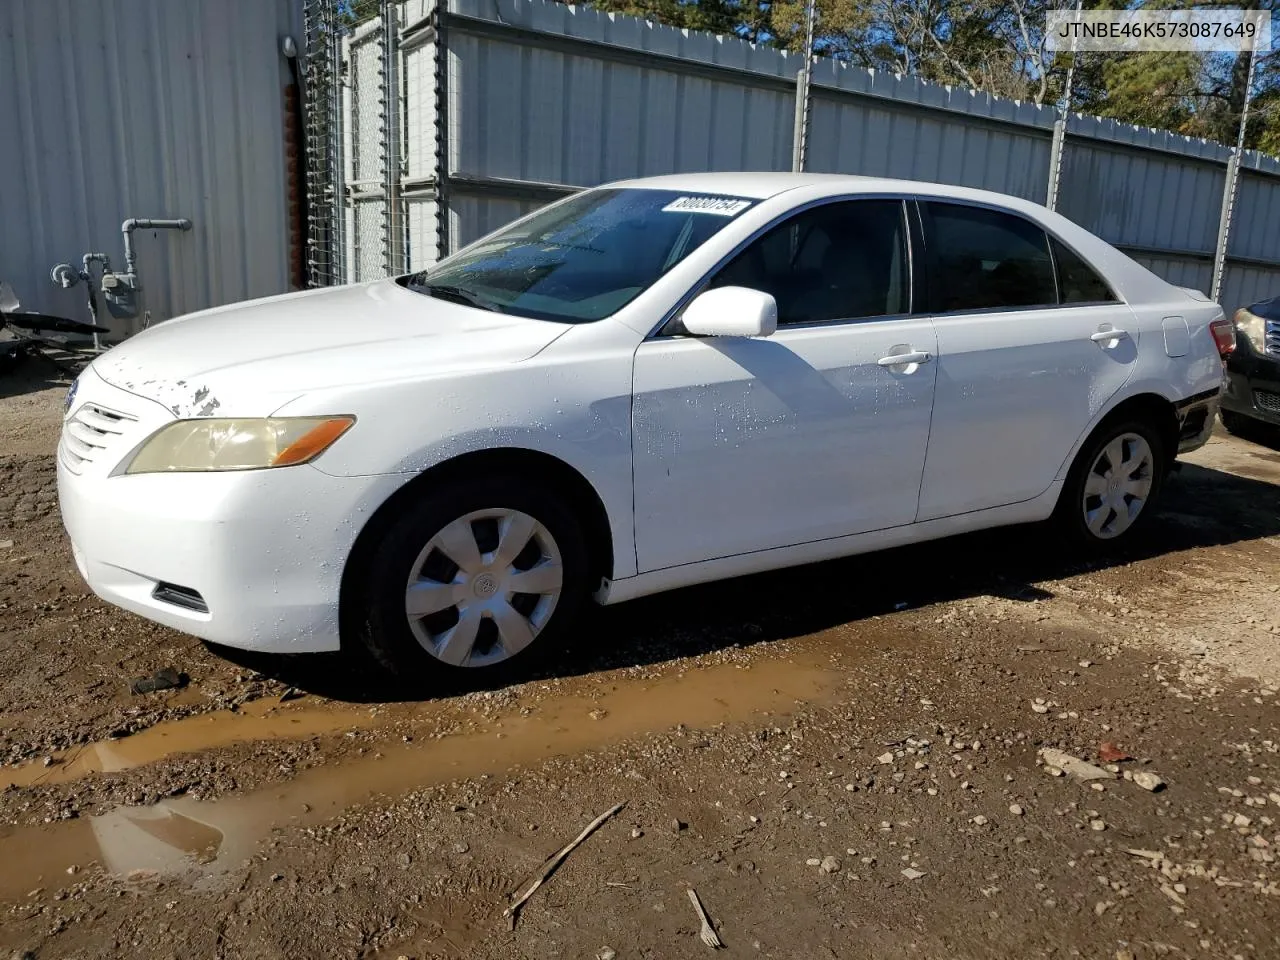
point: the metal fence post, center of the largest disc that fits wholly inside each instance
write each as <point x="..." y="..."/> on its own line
<point x="800" y="136"/>
<point x="393" y="251"/>
<point x="1229" y="188"/>
<point x="1059" y="144"/>
<point x="1056" y="147"/>
<point x="442" y="171"/>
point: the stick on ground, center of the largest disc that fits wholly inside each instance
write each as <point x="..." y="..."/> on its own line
<point x="548" y="868"/>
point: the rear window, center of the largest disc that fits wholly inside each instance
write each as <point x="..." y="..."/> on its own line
<point x="987" y="259"/>
<point x="1077" y="281"/>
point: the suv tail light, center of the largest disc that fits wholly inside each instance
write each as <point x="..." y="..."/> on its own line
<point x="1224" y="335"/>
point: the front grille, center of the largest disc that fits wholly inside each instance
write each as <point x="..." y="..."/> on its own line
<point x="90" y="433"/>
<point x="1267" y="401"/>
<point x="1271" y="338"/>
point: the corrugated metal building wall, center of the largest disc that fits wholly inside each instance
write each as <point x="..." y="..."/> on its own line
<point x="511" y="103"/>
<point x="145" y="108"/>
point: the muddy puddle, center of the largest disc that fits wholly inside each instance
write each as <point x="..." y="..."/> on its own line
<point x="259" y="720"/>
<point x="201" y="841"/>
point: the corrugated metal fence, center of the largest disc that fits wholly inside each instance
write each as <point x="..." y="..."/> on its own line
<point x="146" y="108"/>
<point x="502" y="105"/>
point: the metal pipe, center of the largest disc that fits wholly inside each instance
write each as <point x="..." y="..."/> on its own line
<point x="135" y="223"/>
<point x="104" y="263"/>
<point x="99" y="258"/>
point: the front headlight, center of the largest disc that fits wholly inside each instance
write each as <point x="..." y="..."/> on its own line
<point x="224" y="444"/>
<point x="1253" y="328"/>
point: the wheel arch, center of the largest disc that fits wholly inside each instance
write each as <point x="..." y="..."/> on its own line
<point x="581" y="495"/>
<point x="1149" y="405"/>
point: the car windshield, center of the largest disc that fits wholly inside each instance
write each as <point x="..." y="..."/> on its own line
<point x="582" y="259"/>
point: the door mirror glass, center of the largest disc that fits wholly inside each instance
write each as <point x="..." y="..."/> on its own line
<point x="731" y="312"/>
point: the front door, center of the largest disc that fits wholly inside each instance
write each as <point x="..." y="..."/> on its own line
<point x="749" y="444"/>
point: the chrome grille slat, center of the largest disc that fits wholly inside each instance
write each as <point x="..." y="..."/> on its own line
<point x="105" y="421"/>
<point x="1271" y="338"/>
<point x="79" y="446"/>
<point x="90" y="432"/>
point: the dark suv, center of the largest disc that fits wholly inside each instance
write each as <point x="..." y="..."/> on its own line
<point x="1253" y="369"/>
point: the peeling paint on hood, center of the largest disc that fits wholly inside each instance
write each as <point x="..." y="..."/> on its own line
<point x="249" y="359"/>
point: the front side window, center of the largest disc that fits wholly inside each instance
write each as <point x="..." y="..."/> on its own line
<point x="984" y="259"/>
<point x="839" y="261"/>
<point x="582" y="259"/>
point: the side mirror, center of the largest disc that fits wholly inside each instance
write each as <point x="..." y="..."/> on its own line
<point x="731" y="312"/>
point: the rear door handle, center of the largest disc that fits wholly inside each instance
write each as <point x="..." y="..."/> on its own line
<point x="902" y="359"/>
<point x="1104" y="336"/>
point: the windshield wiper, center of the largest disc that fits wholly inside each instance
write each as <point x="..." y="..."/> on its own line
<point x="457" y="295"/>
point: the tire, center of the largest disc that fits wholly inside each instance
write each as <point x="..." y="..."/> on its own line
<point x="477" y="629"/>
<point x="1108" y="518"/>
<point x="1235" y="424"/>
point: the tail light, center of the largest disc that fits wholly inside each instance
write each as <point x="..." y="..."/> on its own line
<point x="1224" y="335"/>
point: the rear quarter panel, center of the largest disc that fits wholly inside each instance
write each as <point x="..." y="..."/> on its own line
<point x="1199" y="371"/>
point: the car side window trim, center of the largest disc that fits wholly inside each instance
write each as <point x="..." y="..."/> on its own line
<point x="662" y="331"/>
<point x="918" y="243"/>
<point x="926" y="228"/>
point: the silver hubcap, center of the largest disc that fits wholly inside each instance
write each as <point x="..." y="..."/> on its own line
<point x="1118" y="485"/>
<point x="484" y="587"/>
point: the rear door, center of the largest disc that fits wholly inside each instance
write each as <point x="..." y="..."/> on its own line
<point x="1032" y="344"/>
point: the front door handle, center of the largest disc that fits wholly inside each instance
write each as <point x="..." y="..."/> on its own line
<point x="902" y="359"/>
<point x="1106" y="336"/>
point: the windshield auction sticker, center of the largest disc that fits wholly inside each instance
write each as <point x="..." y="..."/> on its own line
<point x="719" y="206"/>
<point x="1132" y="31"/>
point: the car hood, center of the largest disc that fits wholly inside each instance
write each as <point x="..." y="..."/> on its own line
<point x="263" y="353"/>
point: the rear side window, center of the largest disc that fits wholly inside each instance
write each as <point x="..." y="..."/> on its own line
<point x="984" y="259"/>
<point x="1077" y="281"/>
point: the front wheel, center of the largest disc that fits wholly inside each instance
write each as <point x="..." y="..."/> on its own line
<point x="1235" y="423"/>
<point x="474" y="582"/>
<point x="1113" y="484"/>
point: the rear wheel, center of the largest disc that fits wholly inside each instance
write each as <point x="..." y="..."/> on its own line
<point x="474" y="583"/>
<point x="1113" y="484"/>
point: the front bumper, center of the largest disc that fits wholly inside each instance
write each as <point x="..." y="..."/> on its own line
<point x="263" y="551"/>
<point x="1253" y="384"/>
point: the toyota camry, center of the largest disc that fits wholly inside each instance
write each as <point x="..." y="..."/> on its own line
<point x="645" y="385"/>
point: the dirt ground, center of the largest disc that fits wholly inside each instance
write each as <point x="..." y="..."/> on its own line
<point x="842" y="760"/>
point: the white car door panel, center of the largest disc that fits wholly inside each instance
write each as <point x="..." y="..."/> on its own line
<point x="1014" y="392"/>
<point x="748" y="444"/>
<point x="1032" y="343"/>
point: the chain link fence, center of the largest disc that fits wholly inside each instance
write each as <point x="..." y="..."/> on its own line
<point x="354" y="160"/>
<point x="322" y="96"/>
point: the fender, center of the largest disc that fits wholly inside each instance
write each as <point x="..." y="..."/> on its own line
<point x="1134" y="388"/>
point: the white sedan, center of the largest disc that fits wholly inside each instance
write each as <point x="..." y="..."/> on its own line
<point x="643" y="386"/>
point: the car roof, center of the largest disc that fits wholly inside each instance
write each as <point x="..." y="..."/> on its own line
<point x="763" y="185"/>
